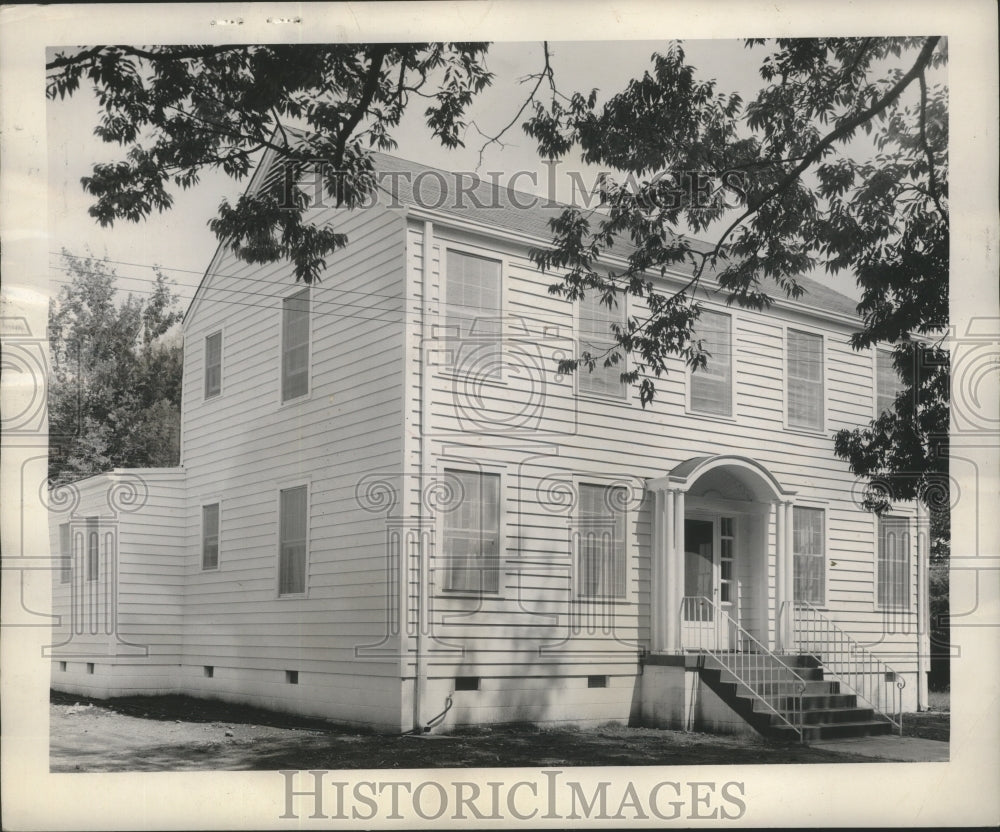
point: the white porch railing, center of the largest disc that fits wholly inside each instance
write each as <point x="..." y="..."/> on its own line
<point x="845" y="660"/>
<point x="772" y="683"/>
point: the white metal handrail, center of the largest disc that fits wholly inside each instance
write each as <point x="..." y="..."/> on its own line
<point x="754" y="667"/>
<point x="847" y="661"/>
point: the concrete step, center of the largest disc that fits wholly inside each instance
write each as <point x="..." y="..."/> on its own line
<point x="839" y="730"/>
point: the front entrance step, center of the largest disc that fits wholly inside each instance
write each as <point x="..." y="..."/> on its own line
<point x="827" y="713"/>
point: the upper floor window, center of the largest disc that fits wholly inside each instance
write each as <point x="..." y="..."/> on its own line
<point x="472" y="533"/>
<point x="93" y="550"/>
<point x="887" y="381"/>
<point x="893" y="563"/>
<point x="210" y="536"/>
<point x="805" y="380"/>
<point x="602" y="528"/>
<point x="597" y="339"/>
<point x="473" y="313"/>
<point x="213" y="365"/>
<point x="809" y="556"/>
<point x="65" y="554"/>
<point x="712" y="385"/>
<point x="293" y="524"/>
<point x="295" y="346"/>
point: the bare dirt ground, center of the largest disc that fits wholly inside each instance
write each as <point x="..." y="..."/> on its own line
<point x="176" y="733"/>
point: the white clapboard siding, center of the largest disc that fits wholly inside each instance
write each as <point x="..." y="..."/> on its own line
<point x="243" y="446"/>
<point x="620" y="440"/>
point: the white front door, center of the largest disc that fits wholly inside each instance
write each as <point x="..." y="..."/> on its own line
<point x="710" y="587"/>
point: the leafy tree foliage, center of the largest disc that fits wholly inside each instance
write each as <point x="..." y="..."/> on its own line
<point x="776" y="173"/>
<point x="183" y="109"/>
<point x="115" y="383"/>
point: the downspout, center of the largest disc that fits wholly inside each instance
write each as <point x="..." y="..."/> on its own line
<point x="921" y="545"/>
<point x="423" y="550"/>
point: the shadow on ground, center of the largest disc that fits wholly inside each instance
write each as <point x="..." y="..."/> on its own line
<point x="175" y="733"/>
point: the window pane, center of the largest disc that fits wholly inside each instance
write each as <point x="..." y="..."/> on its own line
<point x="472" y="312"/>
<point x="893" y="563"/>
<point x="292" y="534"/>
<point x="887" y="381"/>
<point x="805" y="379"/>
<point x="472" y="533"/>
<point x="808" y="564"/>
<point x="213" y="364"/>
<point x="712" y="386"/>
<point x="602" y="529"/>
<point x="596" y="338"/>
<point x="93" y="550"/>
<point x="210" y="536"/>
<point x="295" y="346"/>
<point x="65" y="554"/>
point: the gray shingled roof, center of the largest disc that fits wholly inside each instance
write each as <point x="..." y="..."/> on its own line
<point x="466" y="196"/>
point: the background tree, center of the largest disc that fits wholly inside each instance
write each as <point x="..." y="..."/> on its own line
<point x="115" y="387"/>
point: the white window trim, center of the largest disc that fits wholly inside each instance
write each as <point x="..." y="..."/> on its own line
<point x="733" y="366"/>
<point x="625" y="397"/>
<point x="208" y="501"/>
<point x="785" y="382"/>
<point x="282" y="402"/>
<point x="441" y="333"/>
<point x="89" y="530"/>
<point x="827" y="557"/>
<point x="204" y="364"/>
<point x="910" y="607"/>
<point x="631" y="543"/>
<point x="465" y="465"/>
<point x="286" y="485"/>
<point x="66" y="555"/>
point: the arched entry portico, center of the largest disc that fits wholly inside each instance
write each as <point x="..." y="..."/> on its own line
<point x="712" y="537"/>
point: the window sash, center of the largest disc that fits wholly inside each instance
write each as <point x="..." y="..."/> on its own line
<point x="210" y="536"/>
<point x="887" y="381"/>
<point x="472" y="533"/>
<point x="893" y="563"/>
<point x="65" y="554"/>
<point x="473" y="313"/>
<point x="601" y="533"/>
<point x="292" y="539"/>
<point x="712" y="385"/>
<point x="213" y="365"/>
<point x="93" y="550"/>
<point x="804" y="362"/>
<point x="597" y="338"/>
<point x="809" y="556"/>
<point x="295" y="346"/>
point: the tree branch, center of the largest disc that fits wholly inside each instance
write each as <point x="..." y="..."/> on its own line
<point x="365" y="99"/>
<point x="932" y="176"/>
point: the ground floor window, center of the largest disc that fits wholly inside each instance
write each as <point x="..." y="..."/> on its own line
<point x="809" y="564"/>
<point x="293" y="525"/>
<point x="601" y="518"/>
<point x="472" y="532"/>
<point x="893" y="563"/>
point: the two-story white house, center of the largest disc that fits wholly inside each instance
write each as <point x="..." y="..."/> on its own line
<point x="391" y="509"/>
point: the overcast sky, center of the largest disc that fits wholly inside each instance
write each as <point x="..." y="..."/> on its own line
<point x="181" y="243"/>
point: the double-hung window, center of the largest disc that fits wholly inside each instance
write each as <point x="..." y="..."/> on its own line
<point x="293" y="525"/>
<point x="597" y="339"/>
<point x="473" y="314"/>
<point x="601" y="523"/>
<point x="887" y="381"/>
<point x="804" y="362"/>
<point x="809" y="556"/>
<point x="210" y="536"/>
<point x="295" y="346"/>
<point x="472" y="532"/>
<point x="893" y="563"/>
<point x="712" y="385"/>
<point x="213" y="365"/>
